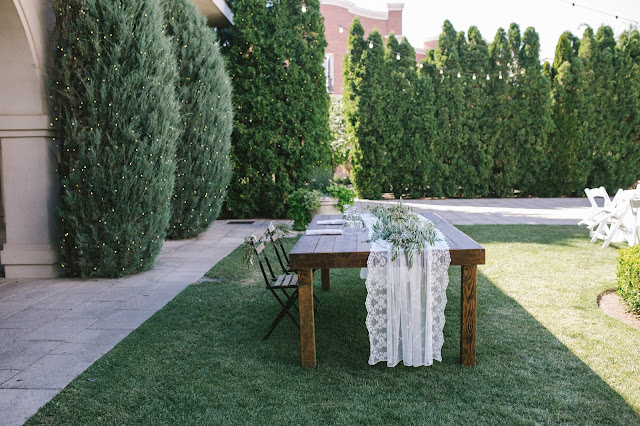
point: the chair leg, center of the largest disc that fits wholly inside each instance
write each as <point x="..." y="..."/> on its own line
<point x="285" y="311"/>
<point x="283" y="304"/>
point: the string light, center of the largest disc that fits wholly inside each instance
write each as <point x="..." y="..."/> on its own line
<point x="398" y="56"/>
<point x="370" y="45"/>
<point x="574" y="4"/>
<point x="341" y="29"/>
<point x="458" y="74"/>
<point x="304" y="8"/>
<point x="474" y="76"/>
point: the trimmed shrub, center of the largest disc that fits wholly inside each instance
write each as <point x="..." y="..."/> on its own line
<point x="203" y="169"/>
<point x="302" y="203"/>
<point x="281" y="125"/>
<point x="628" y="277"/>
<point x="112" y="82"/>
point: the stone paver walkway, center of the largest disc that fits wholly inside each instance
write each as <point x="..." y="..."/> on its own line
<point x="52" y="330"/>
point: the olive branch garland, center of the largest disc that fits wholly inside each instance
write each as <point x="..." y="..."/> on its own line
<point x="403" y="229"/>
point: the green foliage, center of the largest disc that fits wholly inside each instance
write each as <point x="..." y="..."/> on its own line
<point x="342" y="193"/>
<point x="275" y="54"/>
<point x="318" y="178"/>
<point x="503" y="180"/>
<point x="403" y="229"/>
<point x="302" y="202"/>
<point x="366" y="114"/>
<point x="612" y="124"/>
<point x="531" y="121"/>
<point x="628" y="277"/>
<point x="204" y="92"/>
<point x="569" y="155"/>
<point x="340" y="143"/>
<point x="112" y="81"/>
<point x="450" y="115"/>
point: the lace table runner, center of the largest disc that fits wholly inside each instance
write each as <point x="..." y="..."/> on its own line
<point x="405" y="306"/>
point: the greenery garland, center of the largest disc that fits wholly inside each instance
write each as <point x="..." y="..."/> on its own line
<point x="403" y="229"/>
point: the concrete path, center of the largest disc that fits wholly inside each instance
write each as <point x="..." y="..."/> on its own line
<point x="52" y="330"/>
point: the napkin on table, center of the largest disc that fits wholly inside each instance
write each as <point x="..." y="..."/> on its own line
<point x="331" y="222"/>
<point x="324" y="232"/>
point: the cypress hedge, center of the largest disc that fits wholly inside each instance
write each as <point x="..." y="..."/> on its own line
<point x="275" y="53"/>
<point x="203" y="168"/>
<point x="112" y="82"/>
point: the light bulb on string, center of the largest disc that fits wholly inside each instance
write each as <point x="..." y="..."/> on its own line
<point x="370" y="45"/>
<point x="398" y="57"/>
<point x="441" y="71"/>
<point x="474" y="76"/>
<point x="458" y="74"/>
<point x="488" y="78"/>
<point x="303" y="8"/>
<point x="341" y="29"/>
<point x="421" y="65"/>
<point x="500" y="75"/>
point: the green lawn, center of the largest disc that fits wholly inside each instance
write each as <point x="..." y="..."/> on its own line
<point x="546" y="354"/>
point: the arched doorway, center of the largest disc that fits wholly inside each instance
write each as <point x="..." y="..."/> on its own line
<point x="27" y="144"/>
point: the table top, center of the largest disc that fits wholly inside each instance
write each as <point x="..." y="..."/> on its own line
<point x="352" y="250"/>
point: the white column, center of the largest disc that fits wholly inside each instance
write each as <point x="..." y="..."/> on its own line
<point x="30" y="197"/>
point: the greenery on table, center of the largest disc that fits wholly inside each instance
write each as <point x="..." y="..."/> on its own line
<point x="628" y="277"/>
<point x="302" y="202"/>
<point x="281" y="106"/>
<point x="403" y="229"/>
<point x="546" y="353"/>
<point x="342" y="193"/>
<point x="203" y="169"/>
<point x="112" y="83"/>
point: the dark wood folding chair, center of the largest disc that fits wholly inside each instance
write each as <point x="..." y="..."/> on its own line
<point x="284" y="287"/>
<point x="274" y="236"/>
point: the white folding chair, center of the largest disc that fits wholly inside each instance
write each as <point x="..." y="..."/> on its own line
<point x="598" y="211"/>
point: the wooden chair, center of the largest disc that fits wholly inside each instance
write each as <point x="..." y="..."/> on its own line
<point x="274" y="236"/>
<point x="283" y="287"/>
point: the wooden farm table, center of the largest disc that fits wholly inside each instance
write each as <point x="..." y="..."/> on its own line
<point x="352" y="251"/>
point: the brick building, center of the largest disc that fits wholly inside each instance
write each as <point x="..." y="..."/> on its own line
<point x="338" y="16"/>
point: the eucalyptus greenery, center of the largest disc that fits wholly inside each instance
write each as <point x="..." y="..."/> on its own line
<point x="403" y="229"/>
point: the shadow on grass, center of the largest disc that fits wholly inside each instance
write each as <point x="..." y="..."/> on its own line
<point x="201" y="361"/>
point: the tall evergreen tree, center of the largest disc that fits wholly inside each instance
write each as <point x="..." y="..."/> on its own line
<point x="404" y="144"/>
<point x="569" y="156"/>
<point x="479" y="147"/>
<point x="370" y="154"/>
<point x="113" y="88"/>
<point x="500" y="108"/>
<point x="204" y="91"/>
<point x="532" y="116"/>
<point x="612" y="109"/>
<point x="450" y="137"/>
<point x="281" y="131"/>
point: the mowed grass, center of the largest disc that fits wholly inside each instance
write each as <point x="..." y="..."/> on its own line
<point x="546" y="353"/>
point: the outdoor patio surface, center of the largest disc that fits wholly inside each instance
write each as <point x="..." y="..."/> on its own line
<point x="51" y="330"/>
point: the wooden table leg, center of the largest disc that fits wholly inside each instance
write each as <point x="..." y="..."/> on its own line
<point x="307" y="325"/>
<point x="468" y="286"/>
<point x="326" y="279"/>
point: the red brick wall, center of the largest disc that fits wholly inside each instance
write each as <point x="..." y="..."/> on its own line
<point x="334" y="16"/>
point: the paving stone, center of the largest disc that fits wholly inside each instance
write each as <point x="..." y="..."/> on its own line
<point x="49" y="372"/>
<point x="30" y="318"/>
<point x="20" y="354"/>
<point x="147" y="301"/>
<point x="61" y="300"/>
<point x="17" y="405"/>
<point x="100" y="337"/>
<point x="59" y="329"/>
<point x="122" y="319"/>
<point x="116" y="294"/>
<point x="90" y="309"/>
<point x="6" y="374"/>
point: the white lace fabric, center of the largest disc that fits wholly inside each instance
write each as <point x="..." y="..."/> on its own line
<point x="405" y="306"/>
